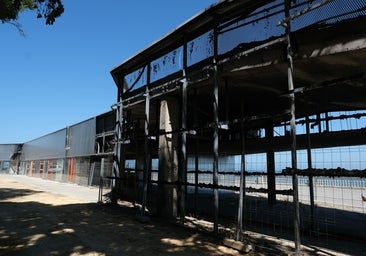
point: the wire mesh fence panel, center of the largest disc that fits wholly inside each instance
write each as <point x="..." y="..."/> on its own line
<point x="82" y="173"/>
<point x="95" y="174"/>
<point x="340" y="192"/>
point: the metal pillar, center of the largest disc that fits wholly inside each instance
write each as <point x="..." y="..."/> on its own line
<point x="183" y="159"/>
<point x="327" y="122"/>
<point x="271" y="169"/>
<point x="146" y="151"/>
<point x="292" y="129"/>
<point x="241" y="212"/>
<point x="216" y="135"/>
<point x="115" y="184"/>
<point x="65" y="168"/>
<point x="319" y="122"/>
<point x="196" y="158"/>
<point x="310" y="168"/>
<point x="117" y="138"/>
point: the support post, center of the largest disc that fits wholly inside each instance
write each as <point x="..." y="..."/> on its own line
<point x="241" y="210"/>
<point x="196" y="157"/>
<point x="183" y="158"/>
<point x="115" y="184"/>
<point x="216" y="134"/>
<point x="310" y="168"/>
<point x="292" y="130"/>
<point x="271" y="169"/>
<point x="146" y="152"/>
<point x="65" y="169"/>
<point x="183" y="153"/>
<point x="168" y="158"/>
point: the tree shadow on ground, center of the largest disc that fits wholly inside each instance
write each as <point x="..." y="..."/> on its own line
<point x="9" y="193"/>
<point x="344" y="235"/>
<point x="337" y="230"/>
<point x="33" y="228"/>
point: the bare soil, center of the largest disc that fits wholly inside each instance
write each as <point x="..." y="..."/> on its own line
<point x="35" y="222"/>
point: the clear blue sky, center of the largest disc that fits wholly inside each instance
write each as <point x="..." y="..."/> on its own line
<point x="59" y="75"/>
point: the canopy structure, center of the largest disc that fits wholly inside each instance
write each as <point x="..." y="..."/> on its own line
<point x="241" y="46"/>
<point x="238" y="79"/>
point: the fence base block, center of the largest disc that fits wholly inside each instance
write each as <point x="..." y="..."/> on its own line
<point x="238" y="245"/>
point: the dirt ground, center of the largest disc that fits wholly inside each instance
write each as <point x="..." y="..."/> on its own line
<point x="36" y="221"/>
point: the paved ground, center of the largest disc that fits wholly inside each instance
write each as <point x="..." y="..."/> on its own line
<point x="41" y="217"/>
<point x="82" y="193"/>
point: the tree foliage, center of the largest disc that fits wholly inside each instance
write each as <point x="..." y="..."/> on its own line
<point x="47" y="9"/>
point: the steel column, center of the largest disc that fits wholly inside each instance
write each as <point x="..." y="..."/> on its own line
<point x="216" y="133"/>
<point x="196" y="158"/>
<point x="146" y="151"/>
<point x="271" y="169"/>
<point x="183" y="159"/>
<point x="241" y="210"/>
<point x="310" y="168"/>
<point x="287" y="25"/>
<point x="117" y="148"/>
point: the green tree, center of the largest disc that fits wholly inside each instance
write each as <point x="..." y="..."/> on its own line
<point x="47" y="9"/>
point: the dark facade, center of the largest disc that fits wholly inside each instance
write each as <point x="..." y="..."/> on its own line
<point x="239" y="80"/>
<point x="251" y="114"/>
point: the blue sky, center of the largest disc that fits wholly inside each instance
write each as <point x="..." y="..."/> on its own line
<point x="59" y="75"/>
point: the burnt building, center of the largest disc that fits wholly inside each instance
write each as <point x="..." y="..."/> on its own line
<point x="242" y="78"/>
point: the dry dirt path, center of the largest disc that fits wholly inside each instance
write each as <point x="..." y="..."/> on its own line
<point x="40" y="217"/>
<point x="35" y="221"/>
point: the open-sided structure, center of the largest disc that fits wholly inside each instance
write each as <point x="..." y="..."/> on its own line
<point x="252" y="114"/>
<point x="241" y="79"/>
